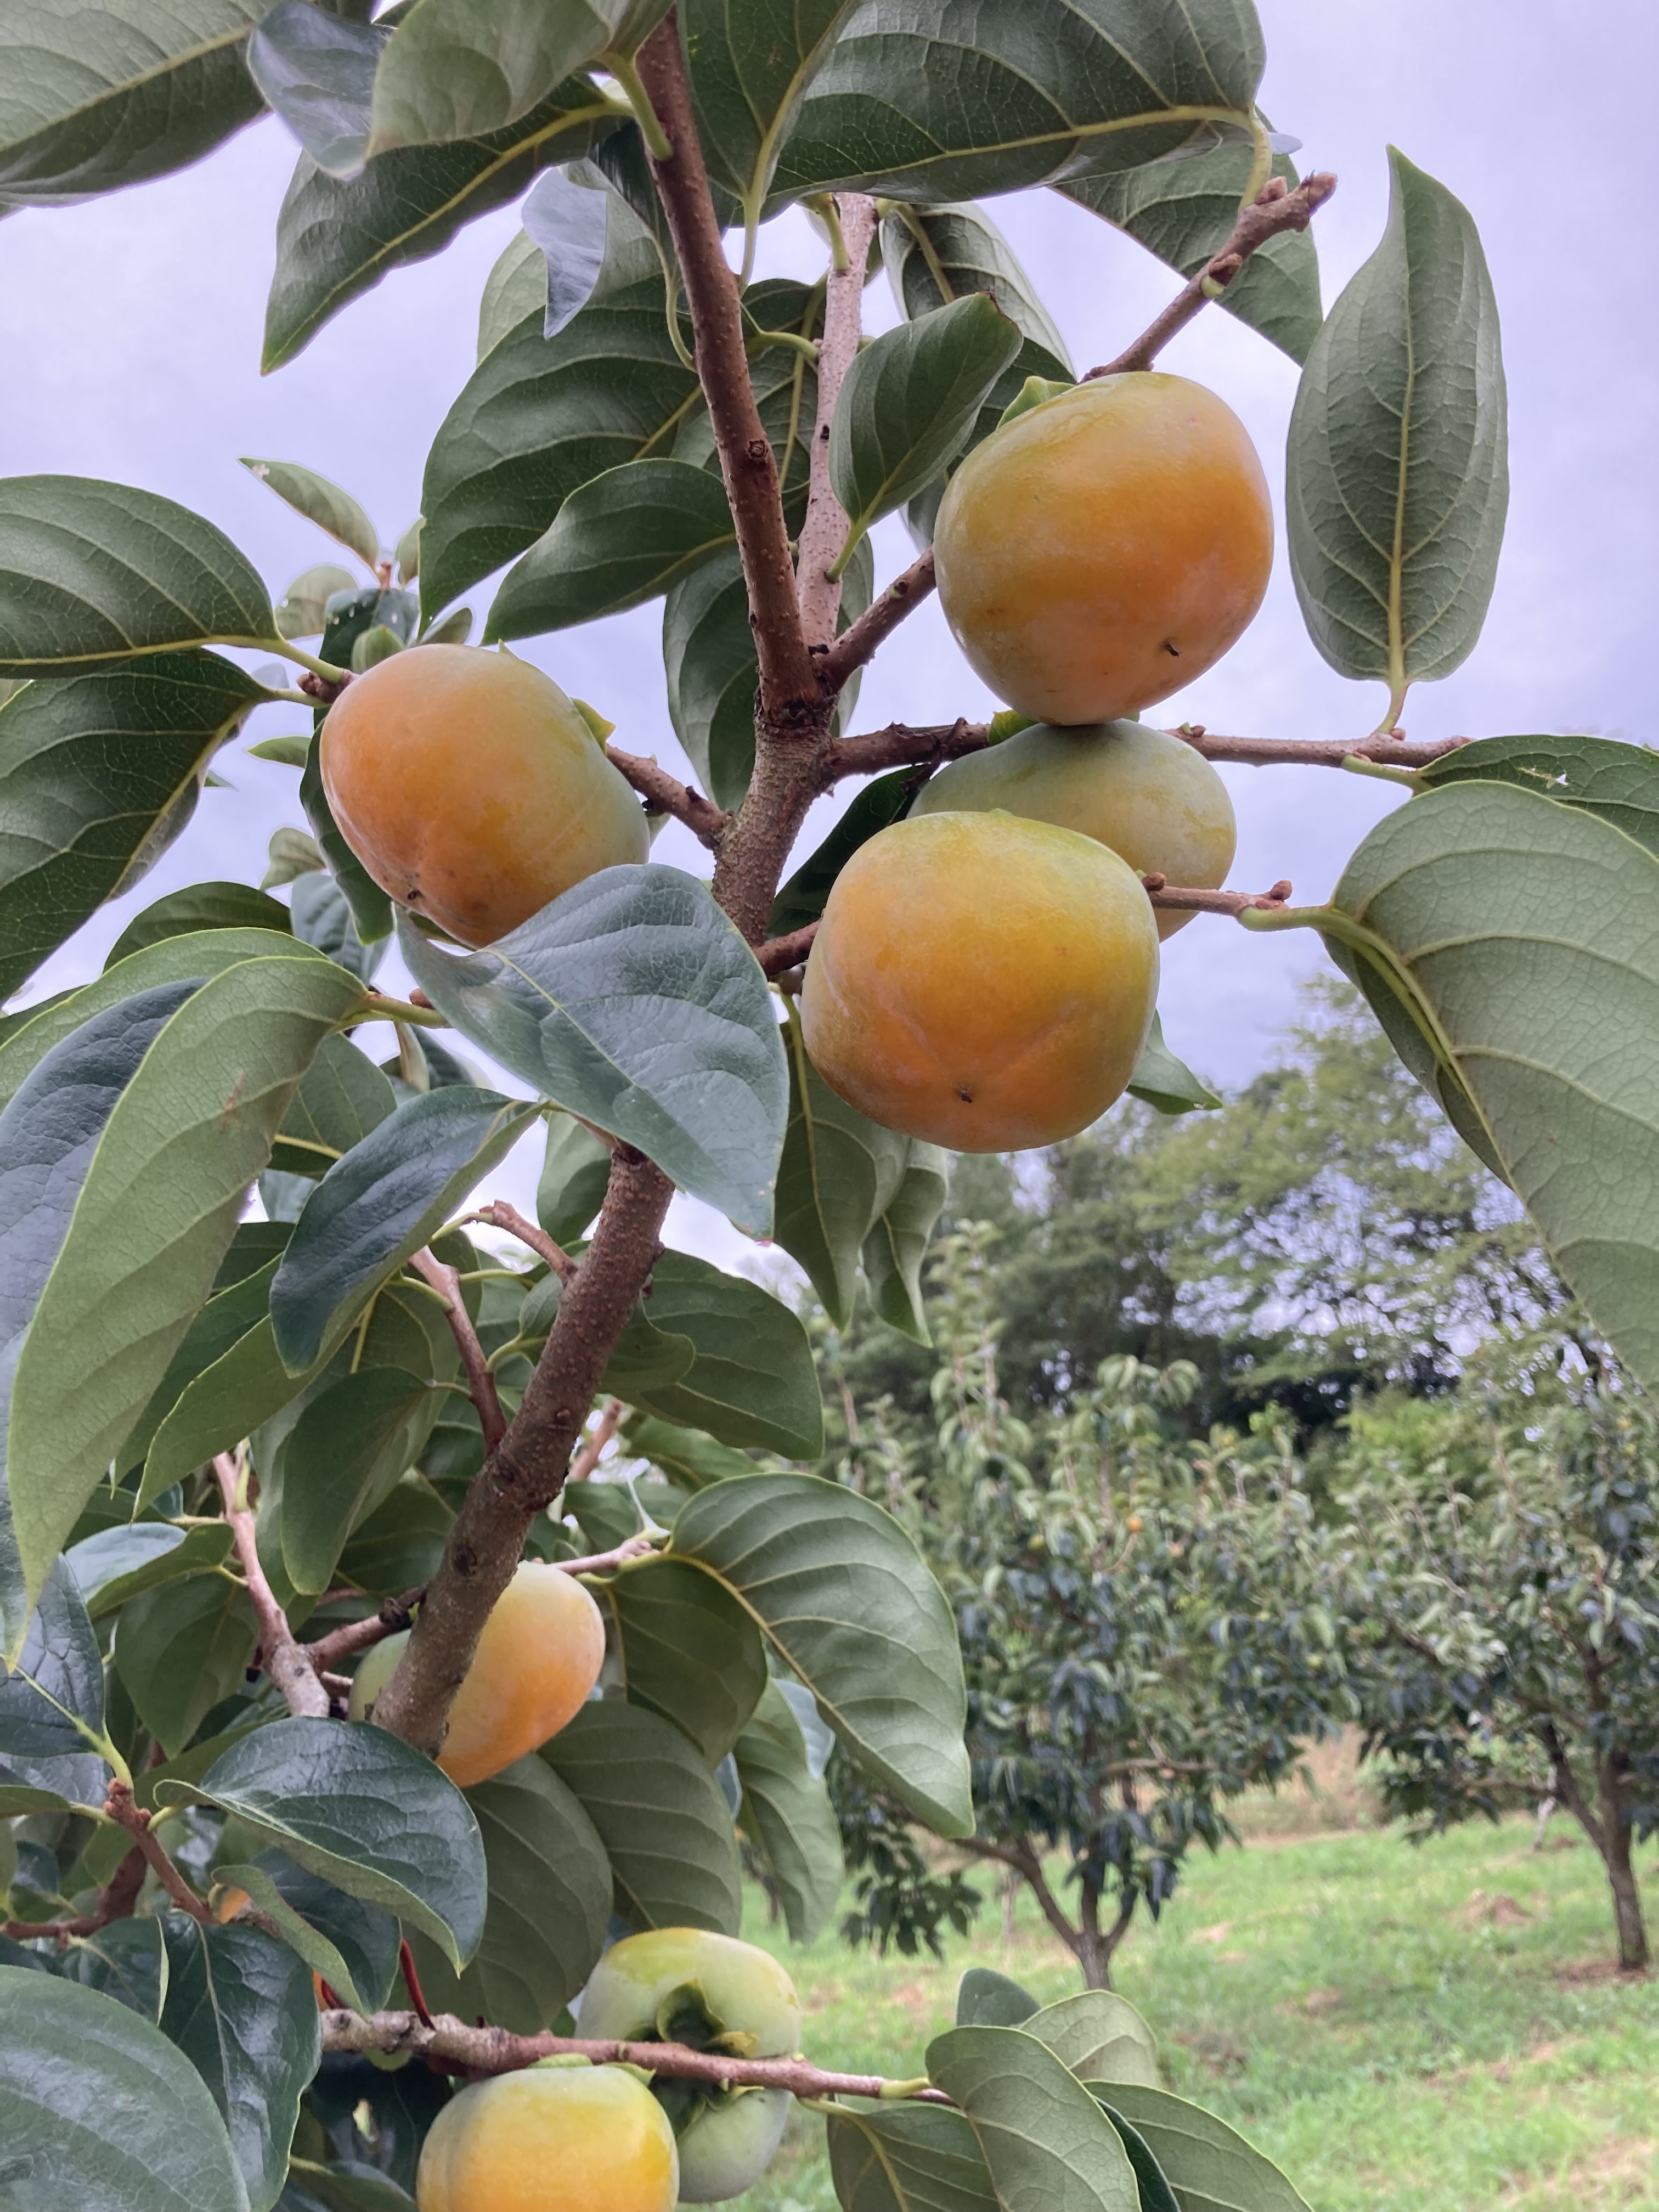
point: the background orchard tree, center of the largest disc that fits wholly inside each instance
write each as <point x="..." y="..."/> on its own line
<point x="210" y="1422"/>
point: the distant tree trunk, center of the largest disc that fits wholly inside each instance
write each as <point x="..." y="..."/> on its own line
<point x="1621" y="1876"/>
<point x="1096" y="1947"/>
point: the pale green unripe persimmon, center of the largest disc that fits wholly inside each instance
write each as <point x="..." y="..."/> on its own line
<point x="586" y="2139"/>
<point x="1148" y="795"/>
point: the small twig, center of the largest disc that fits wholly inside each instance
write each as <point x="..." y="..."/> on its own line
<point x="498" y="1214"/>
<point x="279" y="1654"/>
<point x="1275" y="210"/>
<point x="458" y="2047"/>
<point x="666" y="794"/>
<point x="115" y="1901"/>
<point x="324" y="689"/>
<point x="412" y="1983"/>
<point x="121" y="1807"/>
<point x="391" y="1619"/>
<point x="588" y="1458"/>
<point x="779" y="953"/>
<point x="818" y="593"/>
<point x="860" y="640"/>
<point x="480" y="1383"/>
<point x="902" y="744"/>
<point x="606" y="1563"/>
<point x="1173" y="898"/>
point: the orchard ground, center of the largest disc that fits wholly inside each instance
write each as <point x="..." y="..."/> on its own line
<point x="1437" y="2028"/>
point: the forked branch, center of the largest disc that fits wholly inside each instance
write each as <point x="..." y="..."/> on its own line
<point x="665" y="794"/>
<point x="860" y="641"/>
<point x="281" y="1654"/>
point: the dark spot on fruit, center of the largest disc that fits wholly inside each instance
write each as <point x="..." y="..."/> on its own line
<point x="1173" y="651"/>
<point x="965" y="1094"/>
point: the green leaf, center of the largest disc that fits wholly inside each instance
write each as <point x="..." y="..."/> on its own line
<point x="316" y="1919"/>
<point x="1209" y="2166"/>
<point x="686" y="1456"/>
<point x="371" y="910"/>
<point x="621" y="538"/>
<point x="751" y="1380"/>
<point x="896" y="1248"/>
<point x="157" y="1209"/>
<point x="1397" y="471"/>
<point x="126" y="1961"/>
<point x="633" y="1001"/>
<point x="316" y="67"/>
<point x="93" y="99"/>
<point x="292" y="853"/>
<point x="786" y="1811"/>
<point x="398" y="1546"/>
<point x="1166" y="1083"/>
<point x="934" y="255"/>
<point x="1511" y="981"/>
<point x="241" y="2008"/>
<point x="839" y="1173"/>
<point x="340" y="1461"/>
<point x="49" y="1135"/>
<point x="336" y="238"/>
<point x="876" y="807"/>
<point x="1043" y="2137"/>
<point x="550" y="1905"/>
<point x="687" y="1650"/>
<point x="379" y="1203"/>
<point x="303" y="608"/>
<point x="920" y="101"/>
<point x="575" y="1169"/>
<point x="1100" y="2036"/>
<point x="97" y="776"/>
<point x="842" y="1595"/>
<point x="323" y="503"/>
<point x="119" y="1563"/>
<point x="362" y="1810"/>
<point x="1618" y="783"/>
<point x="907" y="2157"/>
<point x="92" y="572"/>
<point x="1184" y="212"/>
<point x="244" y="1387"/>
<point x="986" y="1998"/>
<point x="909" y="400"/>
<point x="659" y="1814"/>
<point x="342" y="1098"/>
<point x="100" y="2111"/>
<point x="541" y="416"/>
<point x="749" y="63"/>
<point x="462" y="69"/>
<point x="52" y="1705"/>
<point x="198" y="907"/>
<point x="516" y="289"/>
<point x="1156" y="2194"/>
<point x="182" y="1649"/>
<point x="323" y="915"/>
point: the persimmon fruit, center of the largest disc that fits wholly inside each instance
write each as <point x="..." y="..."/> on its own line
<point x="588" y="2139"/>
<point x="1104" y="547"/>
<point x="1149" y="796"/>
<point x="726" y="2141"/>
<point x="540" y="1655"/>
<point x="472" y="789"/>
<point x="982" y="982"/>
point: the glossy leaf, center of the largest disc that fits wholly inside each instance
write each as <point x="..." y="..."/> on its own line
<point x="933" y="100"/>
<point x="842" y="1595"/>
<point x="126" y="1961"/>
<point x="228" y="1317"/>
<point x="303" y="608"/>
<point x="550" y="1905"/>
<point x="241" y="2008"/>
<point x="633" y="1001"/>
<point x="341" y="1097"/>
<point x="181" y="1649"/>
<point x="93" y="573"/>
<point x="198" y="907"/>
<point x="751" y="1379"/>
<point x="160" y="1203"/>
<point x="1100" y="2036"/>
<point x="619" y="540"/>
<point x="1518" y="981"/>
<point x="909" y="400"/>
<point x="120" y="1562"/>
<point x="515" y="287"/>
<point x="91" y="100"/>
<point x="379" y="1203"/>
<point x="839" y="1173"/>
<point x="245" y="1386"/>
<point x="303" y="489"/>
<point x="1045" y="2140"/>
<point x="878" y="805"/>
<point x="934" y="255"/>
<point x="362" y="1810"/>
<point x="1617" y="783"/>
<point x="336" y="238"/>
<point x="323" y="915"/>
<point x="688" y="1650"/>
<point x="986" y="1998"/>
<point x="1209" y="2167"/>
<point x="1156" y="2194"/>
<point x="749" y="63"/>
<point x="786" y="1811"/>
<point x="344" y="1453"/>
<point x="687" y="1457"/>
<point x="896" y="1247"/>
<point x="567" y="222"/>
<point x="371" y="910"/>
<point x="907" y="2157"/>
<point x="100" y="2111"/>
<point x="659" y="1814"/>
<point x="316" y="69"/>
<point x="52" y="1704"/>
<point x="353" y="1946"/>
<point x="575" y="1169"/>
<point x="1164" y="1082"/>
<point x="1397" y="470"/>
<point x="97" y="775"/>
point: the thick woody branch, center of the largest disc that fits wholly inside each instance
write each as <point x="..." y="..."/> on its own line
<point x="121" y="1807"/>
<point x="780" y="952"/>
<point x="788" y="680"/>
<point x="823" y="532"/>
<point x="455" y="2047"/>
<point x="861" y="639"/>
<point x="480" y="1383"/>
<point x="1275" y="210"/>
<point x="527" y="1470"/>
<point x="902" y="744"/>
<point x="393" y="1617"/>
<point x="281" y="1656"/>
<point x="498" y="1214"/>
<point x="665" y="794"/>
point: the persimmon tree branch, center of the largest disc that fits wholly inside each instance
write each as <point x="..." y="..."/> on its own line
<point x="862" y="639"/>
<point x="453" y="2045"/>
<point x="393" y="1617"/>
<point x="480" y="1383"/>
<point x="117" y="1900"/>
<point x="903" y="745"/>
<point x="665" y="794"/>
<point x="780" y="952"/>
<point x="1176" y="898"/>
<point x="281" y="1654"/>
<point x="121" y="1807"/>
<point x="499" y="1214"/>
<point x="594" y="1444"/>
<point x="821" y="533"/>
<point x="1275" y="210"/>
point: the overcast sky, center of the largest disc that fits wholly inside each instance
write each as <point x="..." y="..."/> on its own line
<point x="130" y="330"/>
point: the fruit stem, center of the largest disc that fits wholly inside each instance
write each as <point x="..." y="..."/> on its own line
<point x="1356" y="764"/>
<point x="302" y="659"/>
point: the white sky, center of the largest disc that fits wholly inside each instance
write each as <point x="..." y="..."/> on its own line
<point x="130" y="333"/>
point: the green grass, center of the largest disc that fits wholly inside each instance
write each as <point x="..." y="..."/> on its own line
<point x="1434" y="2029"/>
